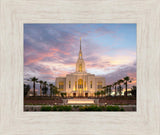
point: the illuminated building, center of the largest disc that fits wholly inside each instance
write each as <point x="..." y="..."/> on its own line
<point x="80" y="83"/>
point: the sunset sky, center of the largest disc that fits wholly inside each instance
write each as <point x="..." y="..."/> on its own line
<point x="51" y="50"/>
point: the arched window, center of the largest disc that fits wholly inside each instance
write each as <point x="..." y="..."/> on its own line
<point x="80" y="67"/>
<point x="75" y="85"/>
<point x="61" y="85"/>
<point x="69" y="84"/>
<point x="84" y="85"/>
<point x="80" y="83"/>
<point x="90" y="84"/>
<point x="99" y="85"/>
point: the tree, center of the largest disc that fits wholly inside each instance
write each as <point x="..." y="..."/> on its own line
<point x="34" y="80"/>
<point x="105" y="90"/>
<point x="119" y="86"/>
<point x="133" y="90"/>
<point x="126" y="81"/>
<point x="51" y="89"/>
<point x="95" y="94"/>
<point x="55" y="90"/>
<point x="98" y="93"/>
<point x="63" y="95"/>
<point x="115" y="87"/>
<point x="109" y="89"/>
<point x="26" y="89"/>
<point x="102" y="93"/>
<point x="119" y="89"/>
<point x="41" y="83"/>
<point x="44" y="88"/>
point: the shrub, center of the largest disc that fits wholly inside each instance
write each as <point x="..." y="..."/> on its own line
<point x="55" y="108"/>
<point x="122" y="109"/>
<point x="46" y="108"/>
<point x="62" y="108"/>
<point x="67" y="108"/>
<point x="76" y="106"/>
<point x="112" y="108"/>
<point x="90" y="108"/>
<point x="82" y="108"/>
<point x="103" y="108"/>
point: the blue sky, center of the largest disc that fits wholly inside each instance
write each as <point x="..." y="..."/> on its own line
<point x="51" y="50"/>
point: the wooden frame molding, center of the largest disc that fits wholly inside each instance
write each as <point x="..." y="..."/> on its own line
<point x="14" y="13"/>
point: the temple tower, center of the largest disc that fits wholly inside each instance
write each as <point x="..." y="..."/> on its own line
<point x="80" y="65"/>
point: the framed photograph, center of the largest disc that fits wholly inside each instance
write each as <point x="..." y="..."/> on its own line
<point x="79" y="67"/>
<point x="96" y="72"/>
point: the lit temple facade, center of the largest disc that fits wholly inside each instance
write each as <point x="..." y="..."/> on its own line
<point x="80" y="83"/>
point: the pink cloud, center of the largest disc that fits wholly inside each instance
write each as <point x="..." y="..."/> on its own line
<point x="56" y="50"/>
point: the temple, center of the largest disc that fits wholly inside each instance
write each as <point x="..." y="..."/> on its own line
<point x="80" y="83"/>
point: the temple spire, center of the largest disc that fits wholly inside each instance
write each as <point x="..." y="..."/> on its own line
<point x="80" y="51"/>
<point x="80" y="65"/>
<point x="80" y="43"/>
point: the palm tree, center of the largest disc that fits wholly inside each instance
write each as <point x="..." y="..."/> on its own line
<point x="98" y="93"/>
<point x="40" y="82"/>
<point x="133" y="90"/>
<point x="62" y="95"/>
<point x="105" y="90"/>
<point x="95" y="94"/>
<point x="51" y="89"/>
<point x="109" y="89"/>
<point x="34" y="80"/>
<point x="45" y="88"/>
<point x="26" y="89"/>
<point x="119" y="89"/>
<point x="103" y="93"/>
<point x="126" y="81"/>
<point x="119" y="86"/>
<point x="115" y="87"/>
<point x="55" y="90"/>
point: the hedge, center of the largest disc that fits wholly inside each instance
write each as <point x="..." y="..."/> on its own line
<point x="81" y="108"/>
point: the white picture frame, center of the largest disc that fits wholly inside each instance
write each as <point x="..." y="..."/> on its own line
<point x="145" y="121"/>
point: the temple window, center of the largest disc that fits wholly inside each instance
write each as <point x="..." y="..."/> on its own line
<point x="80" y="67"/>
<point x="91" y="84"/>
<point x="99" y="85"/>
<point x="61" y="85"/>
<point x="69" y="84"/>
<point x="85" y="85"/>
<point x="80" y="83"/>
<point x="75" y="85"/>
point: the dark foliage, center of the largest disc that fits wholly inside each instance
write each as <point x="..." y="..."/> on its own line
<point x="26" y="89"/>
